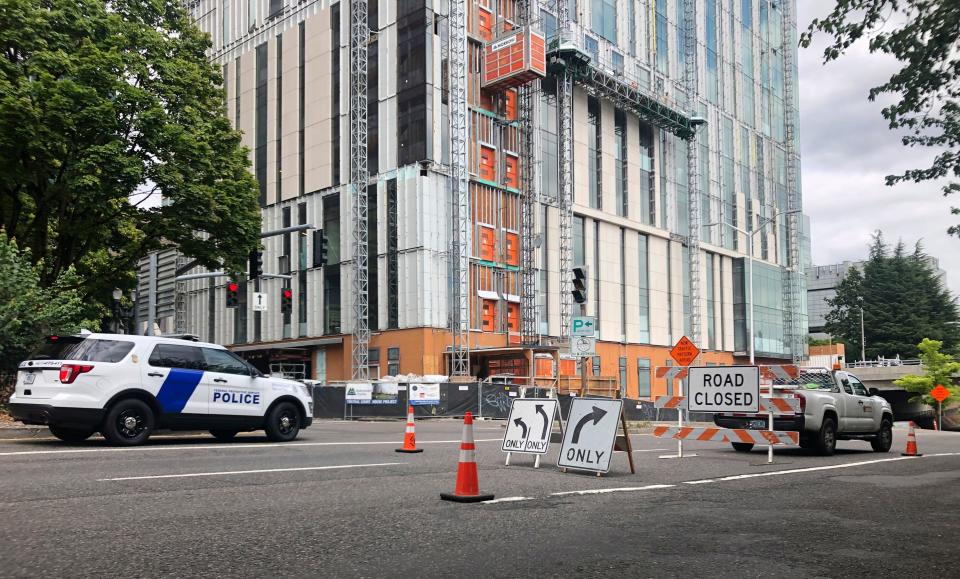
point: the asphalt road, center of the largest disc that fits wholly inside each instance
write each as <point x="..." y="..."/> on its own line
<point x="340" y="502"/>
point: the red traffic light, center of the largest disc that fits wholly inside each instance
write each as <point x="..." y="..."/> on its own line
<point x="287" y="293"/>
<point x="232" y="286"/>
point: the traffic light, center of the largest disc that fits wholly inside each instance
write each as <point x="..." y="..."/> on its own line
<point x="233" y="295"/>
<point x="256" y="264"/>
<point x="286" y="300"/>
<point x="580" y="284"/>
<point x="319" y="248"/>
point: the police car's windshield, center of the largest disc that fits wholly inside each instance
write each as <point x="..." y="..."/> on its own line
<point x="94" y="350"/>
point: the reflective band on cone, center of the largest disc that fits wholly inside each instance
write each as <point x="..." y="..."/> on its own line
<point x="911" y="443"/>
<point x="409" y="437"/>
<point x="467" y="489"/>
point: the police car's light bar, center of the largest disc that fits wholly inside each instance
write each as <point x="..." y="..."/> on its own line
<point x="69" y="372"/>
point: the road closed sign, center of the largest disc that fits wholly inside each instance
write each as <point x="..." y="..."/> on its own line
<point x="529" y="425"/>
<point x="724" y="389"/>
<point x="591" y="430"/>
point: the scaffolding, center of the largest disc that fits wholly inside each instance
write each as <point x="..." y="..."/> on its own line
<point x="359" y="177"/>
<point x="693" y="168"/>
<point x="460" y="255"/>
<point x="559" y="63"/>
<point x="528" y="199"/>
<point x="793" y="286"/>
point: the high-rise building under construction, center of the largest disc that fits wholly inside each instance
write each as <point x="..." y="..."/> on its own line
<point x="462" y="157"/>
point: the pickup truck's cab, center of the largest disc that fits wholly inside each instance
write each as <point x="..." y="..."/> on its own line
<point x="833" y="406"/>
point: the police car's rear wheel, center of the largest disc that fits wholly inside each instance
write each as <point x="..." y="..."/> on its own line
<point x="70" y="434"/>
<point x="283" y="422"/>
<point x="224" y="435"/>
<point x="129" y="422"/>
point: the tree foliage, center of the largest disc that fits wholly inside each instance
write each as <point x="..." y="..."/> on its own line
<point x="903" y="301"/>
<point x="923" y="36"/>
<point x="31" y="310"/>
<point x="105" y="106"/>
<point x="938" y="368"/>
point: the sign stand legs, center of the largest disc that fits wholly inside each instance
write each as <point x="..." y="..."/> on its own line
<point x="770" y="446"/>
<point x="627" y="443"/>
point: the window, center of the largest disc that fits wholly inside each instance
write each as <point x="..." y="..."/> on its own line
<point x="91" y="350"/>
<point x="592" y="47"/>
<point x="335" y="91"/>
<point x="846" y="386"/>
<point x="175" y="356"/>
<point x="302" y="295"/>
<point x="685" y="275"/>
<point x="393" y="266"/>
<point x="643" y="377"/>
<point x="711" y="50"/>
<point x="227" y="21"/>
<point x="604" y="14"/>
<point x="663" y="61"/>
<point x="373" y="261"/>
<point x="223" y="361"/>
<point x="711" y="306"/>
<point x="331" y="273"/>
<point x="620" y="160"/>
<point x="278" y="164"/>
<point x="260" y="128"/>
<point x="623" y="376"/>
<point x="595" y="159"/>
<point x="623" y="283"/>
<point x="648" y="203"/>
<point x="643" y="270"/>
<point x="596" y="365"/>
<point x="301" y="137"/>
<point x="858" y="388"/>
<point x="579" y="242"/>
<point x="393" y="361"/>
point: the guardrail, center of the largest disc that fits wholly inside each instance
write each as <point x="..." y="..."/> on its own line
<point x="883" y="363"/>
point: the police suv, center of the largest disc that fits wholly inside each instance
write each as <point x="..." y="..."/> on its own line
<point x="128" y="386"/>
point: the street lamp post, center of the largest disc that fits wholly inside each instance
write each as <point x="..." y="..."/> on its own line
<point x="749" y="235"/>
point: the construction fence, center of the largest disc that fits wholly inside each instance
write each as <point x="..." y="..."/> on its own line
<point x="482" y="400"/>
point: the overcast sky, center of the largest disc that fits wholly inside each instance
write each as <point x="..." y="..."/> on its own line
<point x="847" y="150"/>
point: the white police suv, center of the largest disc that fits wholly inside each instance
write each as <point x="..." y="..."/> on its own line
<point x="128" y="386"/>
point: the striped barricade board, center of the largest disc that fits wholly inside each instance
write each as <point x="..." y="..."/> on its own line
<point x="776" y="405"/>
<point x="711" y="434"/>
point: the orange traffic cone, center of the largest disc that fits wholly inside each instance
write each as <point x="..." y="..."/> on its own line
<point x="409" y="438"/>
<point x="468" y="487"/>
<point x="911" y="443"/>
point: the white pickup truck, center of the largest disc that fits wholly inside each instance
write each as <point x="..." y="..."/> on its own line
<point x="834" y="405"/>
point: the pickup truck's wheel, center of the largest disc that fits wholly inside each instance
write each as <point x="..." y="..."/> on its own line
<point x="71" y="434"/>
<point x="827" y="440"/>
<point x="807" y="442"/>
<point x="128" y="423"/>
<point x="884" y="439"/>
<point x="742" y="446"/>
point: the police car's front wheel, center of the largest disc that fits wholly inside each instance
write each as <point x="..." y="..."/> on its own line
<point x="129" y="422"/>
<point x="283" y="422"/>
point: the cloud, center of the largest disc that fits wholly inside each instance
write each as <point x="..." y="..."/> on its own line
<point x="847" y="150"/>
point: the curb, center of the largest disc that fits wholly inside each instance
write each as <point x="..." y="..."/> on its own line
<point x="24" y="432"/>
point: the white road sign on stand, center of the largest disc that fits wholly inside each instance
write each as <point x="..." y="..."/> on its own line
<point x="529" y="425"/>
<point x="724" y="389"/>
<point x="583" y="326"/>
<point x="258" y="302"/>
<point x="590" y="434"/>
<point x="583" y="346"/>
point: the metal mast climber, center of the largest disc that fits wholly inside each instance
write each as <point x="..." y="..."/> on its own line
<point x="528" y="198"/>
<point x="565" y="178"/>
<point x="793" y="288"/>
<point x="693" y="167"/>
<point x="460" y="260"/>
<point x="359" y="36"/>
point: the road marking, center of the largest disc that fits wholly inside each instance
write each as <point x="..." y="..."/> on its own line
<point x="236" y="472"/>
<point x="228" y="446"/>
<point x="613" y="490"/>
<point x="507" y="500"/>
<point x="699" y="482"/>
<point x="814" y="468"/>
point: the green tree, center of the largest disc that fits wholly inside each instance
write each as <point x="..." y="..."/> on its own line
<point x="922" y="36"/>
<point x="104" y="108"/>
<point x="902" y="300"/>
<point x="938" y="368"/>
<point x="31" y="310"/>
